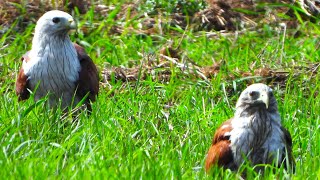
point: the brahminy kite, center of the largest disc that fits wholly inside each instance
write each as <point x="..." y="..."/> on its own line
<point x="57" y="67"/>
<point x="254" y="134"/>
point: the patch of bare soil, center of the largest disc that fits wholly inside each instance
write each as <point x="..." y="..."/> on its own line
<point x="253" y="13"/>
<point x="218" y="15"/>
<point x="29" y="11"/>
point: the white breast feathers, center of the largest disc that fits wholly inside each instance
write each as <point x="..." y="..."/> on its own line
<point x="53" y="68"/>
<point x="258" y="138"/>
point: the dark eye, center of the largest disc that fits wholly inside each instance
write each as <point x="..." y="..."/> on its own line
<point x="56" y="20"/>
<point x="253" y="93"/>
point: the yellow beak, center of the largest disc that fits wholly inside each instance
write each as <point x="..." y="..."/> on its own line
<point x="264" y="98"/>
<point x="72" y="24"/>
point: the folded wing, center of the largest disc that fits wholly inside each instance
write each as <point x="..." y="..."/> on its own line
<point x="88" y="83"/>
<point x="220" y="152"/>
<point x="22" y="84"/>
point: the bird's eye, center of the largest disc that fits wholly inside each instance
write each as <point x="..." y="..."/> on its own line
<point x="56" y="20"/>
<point x="253" y="93"/>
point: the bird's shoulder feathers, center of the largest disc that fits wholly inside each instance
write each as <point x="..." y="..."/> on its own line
<point x="220" y="152"/>
<point x="22" y="84"/>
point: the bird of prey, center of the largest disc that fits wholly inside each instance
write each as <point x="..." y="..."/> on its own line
<point x="57" y="67"/>
<point x="254" y="134"/>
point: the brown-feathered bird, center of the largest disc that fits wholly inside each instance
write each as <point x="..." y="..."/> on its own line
<point x="254" y="133"/>
<point x="56" y="66"/>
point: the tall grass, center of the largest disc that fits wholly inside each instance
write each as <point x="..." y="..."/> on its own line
<point x="150" y="129"/>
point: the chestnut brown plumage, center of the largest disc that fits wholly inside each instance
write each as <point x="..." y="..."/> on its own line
<point x="56" y="66"/>
<point x="254" y="133"/>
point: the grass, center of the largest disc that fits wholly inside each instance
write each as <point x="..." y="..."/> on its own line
<point x="151" y="129"/>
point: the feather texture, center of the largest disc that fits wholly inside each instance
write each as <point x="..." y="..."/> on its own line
<point x="56" y="66"/>
<point x="88" y="82"/>
<point x="255" y="133"/>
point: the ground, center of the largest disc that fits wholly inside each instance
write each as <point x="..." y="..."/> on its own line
<point x="171" y="73"/>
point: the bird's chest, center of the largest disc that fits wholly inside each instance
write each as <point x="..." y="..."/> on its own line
<point x="259" y="143"/>
<point x="55" y="74"/>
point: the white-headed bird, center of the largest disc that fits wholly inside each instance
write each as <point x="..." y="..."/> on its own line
<point x="57" y="67"/>
<point x="254" y="133"/>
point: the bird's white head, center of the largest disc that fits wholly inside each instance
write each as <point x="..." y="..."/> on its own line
<point x="257" y="95"/>
<point x="55" y="22"/>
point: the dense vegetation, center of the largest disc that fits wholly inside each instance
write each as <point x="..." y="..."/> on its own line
<point x="155" y="128"/>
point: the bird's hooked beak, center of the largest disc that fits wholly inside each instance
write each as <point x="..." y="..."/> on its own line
<point x="72" y="23"/>
<point x="264" y="98"/>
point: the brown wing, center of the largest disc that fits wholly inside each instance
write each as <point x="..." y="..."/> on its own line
<point x="288" y="141"/>
<point x="22" y="83"/>
<point x="220" y="152"/>
<point x="88" y="82"/>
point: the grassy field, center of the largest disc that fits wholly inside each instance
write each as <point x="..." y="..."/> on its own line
<point x="153" y="129"/>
